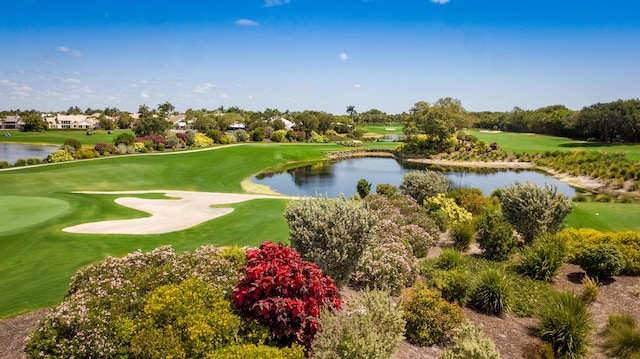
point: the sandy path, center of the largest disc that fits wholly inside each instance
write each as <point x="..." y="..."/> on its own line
<point x="167" y="215"/>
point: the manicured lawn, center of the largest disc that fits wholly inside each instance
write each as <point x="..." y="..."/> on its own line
<point x="37" y="259"/>
<point x="57" y="137"/>
<point x="532" y="143"/>
<point x="605" y="216"/>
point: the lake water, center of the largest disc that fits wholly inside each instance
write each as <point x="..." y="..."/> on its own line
<point x="333" y="179"/>
<point x="11" y="152"/>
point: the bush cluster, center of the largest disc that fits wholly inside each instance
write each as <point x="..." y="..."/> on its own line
<point x="59" y="156"/>
<point x="105" y="301"/>
<point x="628" y="243"/>
<point x="370" y="327"/>
<point x="445" y="211"/>
<point x="492" y="292"/>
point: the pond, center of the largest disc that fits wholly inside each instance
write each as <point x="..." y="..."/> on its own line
<point x="11" y="152"/>
<point x="333" y="179"/>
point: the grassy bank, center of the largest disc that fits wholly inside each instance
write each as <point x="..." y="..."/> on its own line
<point x="57" y="137"/>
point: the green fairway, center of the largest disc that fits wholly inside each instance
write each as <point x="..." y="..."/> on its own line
<point x="396" y="128"/>
<point x="37" y="259"/>
<point x="57" y="137"/>
<point x="605" y="216"/>
<point x="532" y="143"/>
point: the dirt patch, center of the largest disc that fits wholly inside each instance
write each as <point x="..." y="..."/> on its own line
<point x="15" y="331"/>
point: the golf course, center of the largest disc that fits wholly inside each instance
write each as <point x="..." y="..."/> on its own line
<point x="38" y="257"/>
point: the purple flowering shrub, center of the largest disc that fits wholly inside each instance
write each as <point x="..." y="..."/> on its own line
<point x="388" y="263"/>
<point x="105" y="299"/>
<point x="105" y="149"/>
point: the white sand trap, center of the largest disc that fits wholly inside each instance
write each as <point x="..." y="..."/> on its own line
<point x="167" y="215"/>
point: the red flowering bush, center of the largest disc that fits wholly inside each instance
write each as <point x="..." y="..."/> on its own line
<point x="285" y="293"/>
<point x="104" y="148"/>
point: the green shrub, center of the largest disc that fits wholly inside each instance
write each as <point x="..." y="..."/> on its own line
<point x="454" y="285"/>
<point x="424" y="184"/>
<point x="279" y="136"/>
<point x="471" y="343"/>
<point x="430" y="319"/>
<point x="59" y="156"/>
<point x="125" y="138"/>
<point x="496" y="237"/>
<point x="565" y="324"/>
<point x="543" y="259"/>
<point x="5" y="164"/>
<point x="386" y="189"/>
<point x="241" y="135"/>
<point x="72" y="142"/>
<point x="330" y="232"/>
<point x="601" y="261"/>
<point x="492" y="292"/>
<point x="20" y="162"/>
<point x="370" y="326"/>
<point x="234" y="255"/>
<point x="462" y="234"/>
<point x="363" y="187"/>
<point x="446" y="211"/>
<point x="33" y="161"/>
<point x="622" y="336"/>
<point x="450" y="259"/>
<point x="533" y="210"/>
<point x="258" y="135"/>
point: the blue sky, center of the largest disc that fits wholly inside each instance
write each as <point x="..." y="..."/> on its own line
<point x="320" y="55"/>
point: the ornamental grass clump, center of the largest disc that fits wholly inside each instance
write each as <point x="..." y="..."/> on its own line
<point x="430" y="319"/>
<point x="285" y="293"/>
<point x="330" y="232"/>
<point x="543" y="258"/>
<point x="492" y="292"/>
<point x="565" y="324"/>
<point x="371" y="326"/>
<point x="622" y="336"/>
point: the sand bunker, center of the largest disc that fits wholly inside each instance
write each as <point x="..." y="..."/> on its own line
<point x="167" y="215"/>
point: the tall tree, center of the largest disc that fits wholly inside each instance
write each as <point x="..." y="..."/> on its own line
<point x="33" y="122"/>
<point x="351" y="111"/>
<point x="166" y="109"/>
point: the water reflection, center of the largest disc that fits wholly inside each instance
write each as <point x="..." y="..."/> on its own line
<point x="337" y="178"/>
<point x="11" y="152"/>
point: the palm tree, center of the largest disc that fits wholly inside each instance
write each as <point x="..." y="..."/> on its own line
<point x="351" y="111"/>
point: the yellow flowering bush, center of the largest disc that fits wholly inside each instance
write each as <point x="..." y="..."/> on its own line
<point x="195" y="316"/>
<point x="445" y="210"/>
<point x="60" y="156"/>
<point x="139" y="146"/>
<point x="202" y="140"/>
<point x="628" y="244"/>
<point x="251" y="351"/>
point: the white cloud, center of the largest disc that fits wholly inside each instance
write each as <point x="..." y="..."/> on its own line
<point x="204" y="88"/>
<point x="70" y="52"/>
<point x="144" y="95"/>
<point x="441" y="2"/>
<point x="343" y="56"/>
<point x="270" y="3"/>
<point x="70" y="81"/>
<point x="356" y="86"/>
<point x="246" y="22"/>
